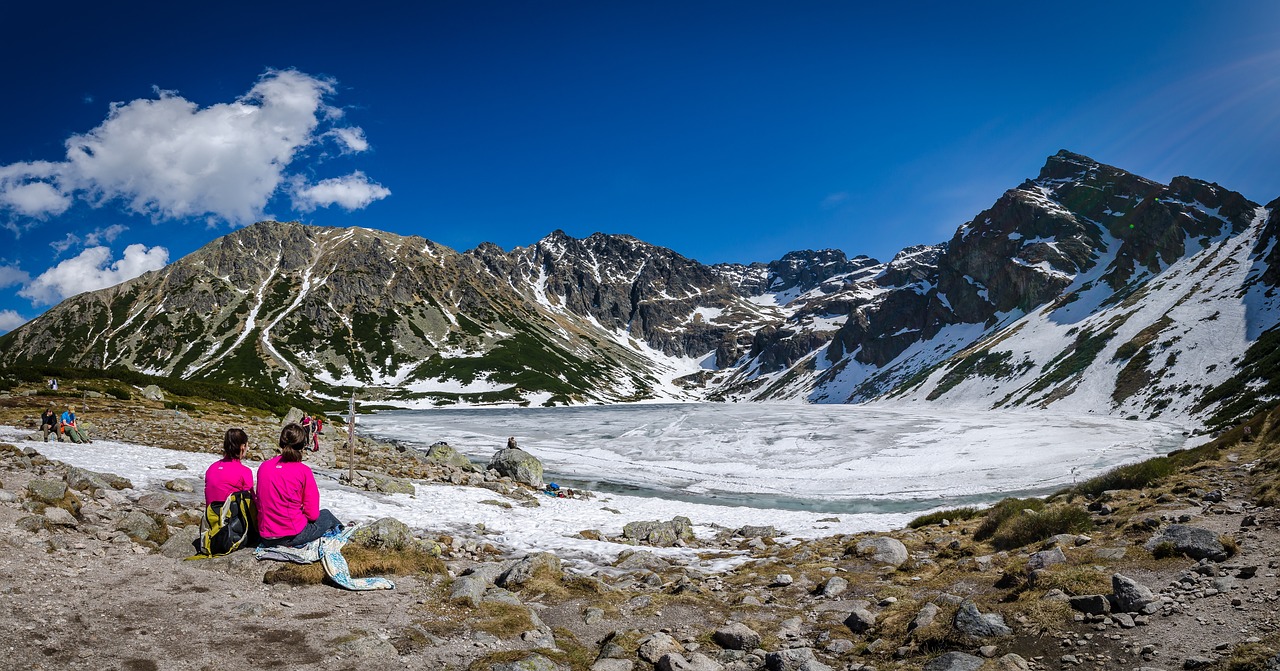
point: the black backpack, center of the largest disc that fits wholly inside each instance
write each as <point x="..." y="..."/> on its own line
<point x="232" y="525"/>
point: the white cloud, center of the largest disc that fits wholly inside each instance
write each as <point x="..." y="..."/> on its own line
<point x="350" y="192"/>
<point x="168" y="158"/>
<point x="10" y="320"/>
<point x="60" y="246"/>
<point x="11" y="275"/>
<point x="108" y="234"/>
<point x="352" y="139"/>
<point x="92" y="269"/>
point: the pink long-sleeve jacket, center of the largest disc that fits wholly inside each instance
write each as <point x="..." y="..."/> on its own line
<point x="287" y="498"/>
<point x="225" y="477"/>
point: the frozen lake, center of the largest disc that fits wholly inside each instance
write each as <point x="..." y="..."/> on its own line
<point x="824" y="458"/>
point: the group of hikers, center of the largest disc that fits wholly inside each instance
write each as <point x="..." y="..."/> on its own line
<point x="285" y="502"/>
<point x="51" y="423"/>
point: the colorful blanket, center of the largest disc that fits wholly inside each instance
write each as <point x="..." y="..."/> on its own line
<point x="328" y="551"/>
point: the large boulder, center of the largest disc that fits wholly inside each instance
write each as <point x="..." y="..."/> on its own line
<point x="152" y="393"/>
<point x="1194" y="542"/>
<point x="657" y="645"/>
<point x="971" y="622"/>
<point x="138" y="525"/>
<point x="883" y="550"/>
<point x="860" y="620"/>
<point x="47" y="491"/>
<point x="674" y="661"/>
<point x="442" y="453"/>
<point x="1130" y="595"/>
<point x="468" y="590"/>
<point x="518" y="465"/>
<point x="387" y="533"/>
<point x="736" y="636"/>
<point x="88" y="481"/>
<point x="660" y="534"/>
<point x="540" y="563"/>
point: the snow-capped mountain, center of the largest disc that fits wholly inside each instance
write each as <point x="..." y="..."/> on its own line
<point x="1085" y="289"/>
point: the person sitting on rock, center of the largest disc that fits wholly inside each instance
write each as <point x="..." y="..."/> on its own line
<point x="289" y="510"/>
<point x="49" y="424"/>
<point x="69" y="427"/>
<point x="227" y="475"/>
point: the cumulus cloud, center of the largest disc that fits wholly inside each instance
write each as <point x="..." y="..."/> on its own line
<point x="350" y="192"/>
<point x="168" y="158"/>
<point x="93" y="269"/>
<point x="11" y="275"/>
<point x="100" y="235"/>
<point x="10" y="320"/>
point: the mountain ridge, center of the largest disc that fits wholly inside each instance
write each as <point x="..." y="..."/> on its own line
<point x="1028" y="304"/>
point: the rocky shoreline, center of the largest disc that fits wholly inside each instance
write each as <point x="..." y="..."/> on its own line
<point x="1179" y="574"/>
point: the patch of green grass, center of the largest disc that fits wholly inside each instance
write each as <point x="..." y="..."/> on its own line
<point x="997" y="515"/>
<point x="1030" y="527"/>
<point x="966" y="513"/>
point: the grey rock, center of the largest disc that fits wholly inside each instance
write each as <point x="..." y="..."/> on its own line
<point x="674" y="661"/>
<point x="1194" y="542"/>
<point x="86" y="480"/>
<point x="59" y="517"/>
<point x="518" y="465"/>
<point x="834" y="586"/>
<point x="366" y="646"/>
<point x="1130" y="595"/>
<point x="749" y="531"/>
<point x="924" y="618"/>
<point x="611" y="664"/>
<point x="179" y="544"/>
<point x="468" y="589"/>
<point x="736" y="636"/>
<point x="657" y="645"/>
<point x="544" y="563"/>
<point x="380" y="482"/>
<point x="1197" y="662"/>
<point x="860" y="620"/>
<point x="954" y="661"/>
<point x="641" y="559"/>
<point x="46" y="490"/>
<point x="184" y="485"/>
<point x="1046" y="558"/>
<point x="592" y="615"/>
<point x="152" y="393"/>
<point x="971" y="622"/>
<point x="137" y="525"/>
<point x="794" y="659"/>
<point x="782" y="580"/>
<point x="442" y="453"/>
<point x="1091" y="604"/>
<point x="533" y="662"/>
<point x="387" y="533"/>
<point x="177" y="467"/>
<point x="1012" y="662"/>
<point x="883" y="550"/>
<point x="157" y="502"/>
<point x="1125" y="620"/>
<point x="32" y="523"/>
<point x="660" y="534"/>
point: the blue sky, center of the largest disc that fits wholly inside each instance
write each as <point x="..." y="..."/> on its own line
<point x="727" y="131"/>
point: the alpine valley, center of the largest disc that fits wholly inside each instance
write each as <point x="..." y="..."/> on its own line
<point x="1086" y="289"/>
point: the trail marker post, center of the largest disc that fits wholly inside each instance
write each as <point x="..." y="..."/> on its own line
<point x="351" y="439"/>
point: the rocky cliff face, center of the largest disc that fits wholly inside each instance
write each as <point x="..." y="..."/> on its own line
<point x="1086" y="288"/>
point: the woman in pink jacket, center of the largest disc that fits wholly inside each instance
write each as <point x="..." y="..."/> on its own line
<point x="288" y="500"/>
<point x="227" y="475"/>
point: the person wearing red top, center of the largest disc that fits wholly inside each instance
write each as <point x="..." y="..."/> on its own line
<point x="289" y="510"/>
<point x="227" y="475"/>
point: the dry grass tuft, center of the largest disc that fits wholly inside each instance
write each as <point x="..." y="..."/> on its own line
<point x="363" y="563"/>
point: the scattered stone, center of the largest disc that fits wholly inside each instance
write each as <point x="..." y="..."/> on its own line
<point x="883" y="550"/>
<point x="1130" y="595"/>
<point x="756" y="532"/>
<point x="657" y="645"/>
<point x="834" y="586"/>
<point x="924" y="618"/>
<point x="971" y="622"/>
<point x="1091" y="604"/>
<point x="697" y="661"/>
<point x="59" y="517"/>
<point x="860" y="620"/>
<point x="794" y="659"/>
<point x="533" y="662"/>
<point x="46" y="491"/>
<point x="736" y="636"/>
<point x="523" y="571"/>
<point x="954" y="661"/>
<point x="782" y="580"/>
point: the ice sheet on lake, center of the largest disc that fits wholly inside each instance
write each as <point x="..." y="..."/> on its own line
<point x="831" y="453"/>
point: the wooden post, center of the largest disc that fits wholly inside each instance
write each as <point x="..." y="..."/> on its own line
<point x="351" y="439"/>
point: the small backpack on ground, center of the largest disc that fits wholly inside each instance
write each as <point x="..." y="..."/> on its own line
<point x="232" y="525"/>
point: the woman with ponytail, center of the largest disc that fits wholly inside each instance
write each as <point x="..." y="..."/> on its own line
<point x="288" y="500"/>
<point x="227" y="475"/>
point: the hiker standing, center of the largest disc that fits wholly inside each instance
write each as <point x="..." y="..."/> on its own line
<point x="227" y="475"/>
<point x="289" y="510"/>
<point x="49" y="424"/>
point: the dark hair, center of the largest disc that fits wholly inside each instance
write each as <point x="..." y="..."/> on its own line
<point x="232" y="442"/>
<point x="292" y="439"/>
